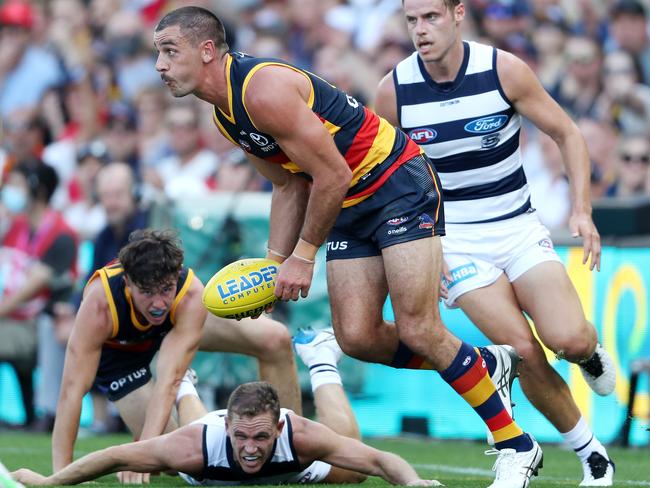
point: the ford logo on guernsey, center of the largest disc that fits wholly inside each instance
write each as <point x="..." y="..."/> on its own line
<point x="486" y="124"/>
<point x="422" y="135"/>
<point x="248" y="284"/>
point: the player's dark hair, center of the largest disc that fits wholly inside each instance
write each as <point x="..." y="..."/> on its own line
<point x="450" y="4"/>
<point x="254" y="398"/>
<point x="197" y="24"/>
<point x="152" y="257"/>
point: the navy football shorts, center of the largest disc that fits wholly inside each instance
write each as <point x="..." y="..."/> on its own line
<point x="121" y="372"/>
<point x="407" y="207"/>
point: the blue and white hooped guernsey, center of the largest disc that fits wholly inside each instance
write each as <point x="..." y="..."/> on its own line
<point x="470" y="130"/>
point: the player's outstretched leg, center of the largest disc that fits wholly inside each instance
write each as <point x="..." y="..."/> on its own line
<point x="188" y="404"/>
<point x="265" y="339"/>
<point x="320" y="352"/>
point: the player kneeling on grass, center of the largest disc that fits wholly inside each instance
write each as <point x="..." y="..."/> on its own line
<point x="253" y="442"/>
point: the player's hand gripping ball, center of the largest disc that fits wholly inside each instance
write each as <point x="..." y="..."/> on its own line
<point x="241" y="289"/>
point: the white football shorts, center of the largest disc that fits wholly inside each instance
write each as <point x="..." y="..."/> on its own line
<point x="477" y="254"/>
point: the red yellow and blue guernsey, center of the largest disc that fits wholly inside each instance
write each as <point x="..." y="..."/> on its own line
<point x="372" y="147"/>
<point x="129" y="334"/>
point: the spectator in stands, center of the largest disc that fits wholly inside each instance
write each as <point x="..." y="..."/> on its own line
<point x="130" y="57"/>
<point x="117" y="191"/>
<point x="186" y="172"/>
<point x="39" y="254"/>
<point x="624" y="101"/>
<point x="629" y="31"/>
<point x="549" y="40"/>
<point x="121" y="136"/>
<point x="84" y="214"/>
<point x="26" y="70"/>
<point x="153" y="137"/>
<point x="601" y="138"/>
<point x="632" y="167"/>
<point x="25" y="136"/>
<point x="579" y="85"/>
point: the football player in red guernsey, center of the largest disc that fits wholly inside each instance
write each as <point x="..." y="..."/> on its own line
<point x="341" y="173"/>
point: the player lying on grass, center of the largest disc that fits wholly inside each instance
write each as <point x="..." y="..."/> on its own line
<point x="254" y="441"/>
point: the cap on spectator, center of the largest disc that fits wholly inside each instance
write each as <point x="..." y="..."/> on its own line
<point x="506" y="10"/>
<point x="94" y="149"/>
<point x="629" y="7"/>
<point x="121" y="115"/>
<point x="499" y="11"/>
<point x="341" y="18"/>
<point x="18" y="13"/>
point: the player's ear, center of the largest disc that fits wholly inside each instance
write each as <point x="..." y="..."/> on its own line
<point x="280" y="425"/>
<point x="208" y="51"/>
<point x="459" y="12"/>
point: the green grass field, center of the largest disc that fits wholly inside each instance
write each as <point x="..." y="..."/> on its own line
<point x="456" y="464"/>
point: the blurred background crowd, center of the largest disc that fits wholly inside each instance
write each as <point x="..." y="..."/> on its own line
<point x="90" y="136"/>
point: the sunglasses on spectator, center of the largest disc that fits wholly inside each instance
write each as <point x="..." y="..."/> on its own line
<point x="581" y="58"/>
<point x="641" y="158"/>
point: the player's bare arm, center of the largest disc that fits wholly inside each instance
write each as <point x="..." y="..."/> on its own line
<point x="314" y="441"/>
<point x="179" y="451"/>
<point x="277" y="103"/>
<point x="288" y="204"/>
<point x="386" y="100"/>
<point x="176" y="353"/>
<point x="530" y="99"/>
<point x="92" y="327"/>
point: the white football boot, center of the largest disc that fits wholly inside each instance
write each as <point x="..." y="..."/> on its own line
<point x="503" y="376"/>
<point x="514" y="469"/>
<point x="190" y="376"/>
<point x="599" y="372"/>
<point x="597" y="471"/>
<point x="312" y="344"/>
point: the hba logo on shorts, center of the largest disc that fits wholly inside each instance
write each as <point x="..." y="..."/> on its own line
<point x="460" y="273"/>
<point x="422" y="135"/>
<point x="486" y="124"/>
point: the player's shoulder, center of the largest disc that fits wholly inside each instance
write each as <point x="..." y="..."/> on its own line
<point x="193" y="285"/>
<point x="95" y="292"/>
<point x="509" y="64"/>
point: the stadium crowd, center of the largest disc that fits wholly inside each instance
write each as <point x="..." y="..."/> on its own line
<point x="78" y="90"/>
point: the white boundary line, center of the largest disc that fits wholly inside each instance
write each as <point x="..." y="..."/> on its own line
<point x="489" y="474"/>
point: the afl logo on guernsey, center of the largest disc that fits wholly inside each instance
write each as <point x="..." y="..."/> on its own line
<point x="486" y="124"/>
<point x="422" y="135"/>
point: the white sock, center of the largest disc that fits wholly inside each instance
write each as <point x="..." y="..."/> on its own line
<point x="186" y="388"/>
<point x="324" y="374"/>
<point x="583" y="441"/>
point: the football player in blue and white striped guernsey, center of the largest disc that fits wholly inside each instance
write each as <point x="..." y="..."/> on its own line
<point x="252" y="442"/>
<point x="463" y="103"/>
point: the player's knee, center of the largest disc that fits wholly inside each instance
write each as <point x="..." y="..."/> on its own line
<point x="277" y="343"/>
<point x="528" y="349"/>
<point x="416" y="331"/>
<point x="353" y="342"/>
<point x="576" y="344"/>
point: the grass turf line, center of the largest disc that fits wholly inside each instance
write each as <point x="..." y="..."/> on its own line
<point x="456" y="464"/>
